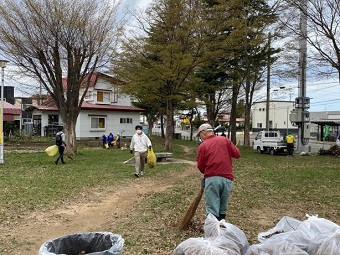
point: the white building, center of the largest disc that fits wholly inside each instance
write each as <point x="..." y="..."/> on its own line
<point x="104" y="110"/>
<point x="278" y="116"/>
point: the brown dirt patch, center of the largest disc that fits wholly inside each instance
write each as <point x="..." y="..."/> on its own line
<point x="84" y="215"/>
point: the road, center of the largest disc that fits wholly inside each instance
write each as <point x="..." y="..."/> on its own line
<point x="313" y="146"/>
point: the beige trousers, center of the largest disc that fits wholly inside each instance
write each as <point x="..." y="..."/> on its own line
<point x="140" y="161"/>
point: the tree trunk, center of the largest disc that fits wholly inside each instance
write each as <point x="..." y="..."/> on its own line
<point x="249" y="91"/>
<point x="233" y="112"/>
<point x="246" y="138"/>
<point x="70" y="133"/>
<point x="162" y="126"/>
<point x="211" y="109"/>
<point x="169" y="132"/>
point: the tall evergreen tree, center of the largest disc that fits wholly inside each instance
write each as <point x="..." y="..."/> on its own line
<point x="159" y="66"/>
<point x="238" y="46"/>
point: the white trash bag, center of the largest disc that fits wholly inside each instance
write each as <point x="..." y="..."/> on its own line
<point x="327" y="243"/>
<point x="314" y="226"/>
<point x="214" y="228"/>
<point x="286" y="224"/>
<point x="210" y="246"/>
<point x="275" y="247"/>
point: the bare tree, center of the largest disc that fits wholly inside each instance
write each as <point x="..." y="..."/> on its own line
<point x="323" y="17"/>
<point x="50" y="39"/>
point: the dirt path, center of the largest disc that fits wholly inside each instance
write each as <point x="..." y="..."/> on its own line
<point x="83" y="215"/>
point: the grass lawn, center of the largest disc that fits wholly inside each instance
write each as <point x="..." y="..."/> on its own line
<point x="266" y="188"/>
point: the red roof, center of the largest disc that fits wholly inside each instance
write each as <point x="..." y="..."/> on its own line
<point x="50" y="106"/>
<point x="11" y="109"/>
<point x="94" y="78"/>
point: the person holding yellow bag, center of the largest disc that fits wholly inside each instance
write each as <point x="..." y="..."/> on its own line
<point x="140" y="143"/>
<point x="60" y="142"/>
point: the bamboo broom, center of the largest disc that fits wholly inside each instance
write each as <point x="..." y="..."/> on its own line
<point x="190" y="212"/>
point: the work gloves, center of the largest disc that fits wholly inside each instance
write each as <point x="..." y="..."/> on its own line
<point x="150" y="148"/>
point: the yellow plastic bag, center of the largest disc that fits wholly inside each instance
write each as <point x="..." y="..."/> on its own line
<point x="52" y="150"/>
<point x="106" y="146"/>
<point x="151" y="161"/>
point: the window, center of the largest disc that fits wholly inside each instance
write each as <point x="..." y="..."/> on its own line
<point x="271" y="134"/>
<point x="53" y="119"/>
<point x="114" y="95"/>
<point x="126" y="120"/>
<point x="259" y="125"/>
<point x="24" y="120"/>
<point x="98" y="122"/>
<point x="103" y="97"/>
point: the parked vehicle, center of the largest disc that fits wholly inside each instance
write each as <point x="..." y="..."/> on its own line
<point x="270" y="141"/>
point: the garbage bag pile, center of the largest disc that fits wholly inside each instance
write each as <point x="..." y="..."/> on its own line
<point x="315" y="236"/>
<point x="220" y="238"/>
<point x="290" y="236"/>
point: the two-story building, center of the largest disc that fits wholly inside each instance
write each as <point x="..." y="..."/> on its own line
<point x="279" y="112"/>
<point x="104" y="110"/>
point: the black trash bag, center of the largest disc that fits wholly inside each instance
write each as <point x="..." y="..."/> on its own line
<point x="94" y="243"/>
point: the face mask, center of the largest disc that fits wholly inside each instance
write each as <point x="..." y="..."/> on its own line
<point x="139" y="132"/>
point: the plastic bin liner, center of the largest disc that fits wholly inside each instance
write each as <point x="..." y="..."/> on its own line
<point x="94" y="243"/>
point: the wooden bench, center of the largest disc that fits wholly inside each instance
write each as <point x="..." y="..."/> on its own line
<point x="162" y="156"/>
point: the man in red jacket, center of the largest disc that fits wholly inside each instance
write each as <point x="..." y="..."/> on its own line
<point x="214" y="160"/>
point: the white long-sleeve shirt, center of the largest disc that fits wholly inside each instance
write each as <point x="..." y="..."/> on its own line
<point x="140" y="143"/>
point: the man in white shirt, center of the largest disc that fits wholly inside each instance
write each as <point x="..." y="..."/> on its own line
<point x="140" y="144"/>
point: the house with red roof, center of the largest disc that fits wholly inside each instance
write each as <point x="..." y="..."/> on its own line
<point x="11" y="112"/>
<point x="105" y="110"/>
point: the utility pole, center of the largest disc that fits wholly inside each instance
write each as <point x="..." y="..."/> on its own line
<point x="268" y="82"/>
<point x="302" y="102"/>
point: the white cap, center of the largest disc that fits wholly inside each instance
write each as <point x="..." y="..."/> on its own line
<point x="204" y="127"/>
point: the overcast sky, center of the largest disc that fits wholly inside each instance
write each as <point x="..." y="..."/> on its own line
<point x="136" y="3"/>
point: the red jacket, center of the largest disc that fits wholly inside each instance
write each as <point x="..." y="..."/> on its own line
<point x="214" y="157"/>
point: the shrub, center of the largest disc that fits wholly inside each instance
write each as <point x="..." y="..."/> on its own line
<point x="334" y="151"/>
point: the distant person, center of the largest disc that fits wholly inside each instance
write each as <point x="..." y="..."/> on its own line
<point x="284" y="137"/>
<point x="103" y="140"/>
<point x="290" y="139"/>
<point x="117" y="141"/>
<point x="140" y="143"/>
<point x="110" y="140"/>
<point x="214" y="161"/>
<point x="60" y="142"/>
